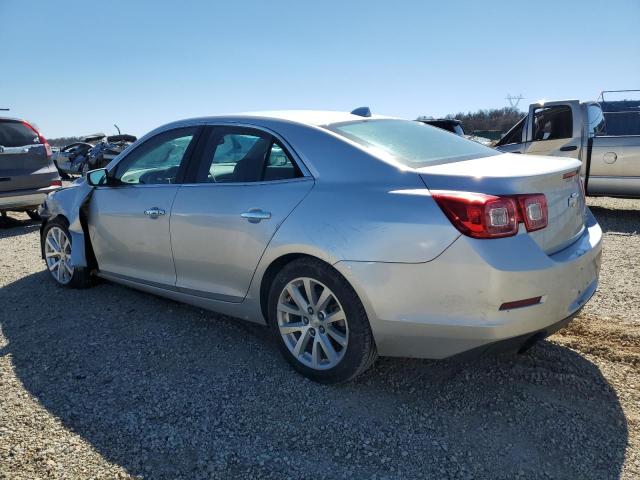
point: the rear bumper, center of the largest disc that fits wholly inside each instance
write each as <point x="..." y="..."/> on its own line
<point x="24" y="199"/>
<point x="452" y="304"/>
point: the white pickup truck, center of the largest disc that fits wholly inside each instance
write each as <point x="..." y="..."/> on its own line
<point x="604" y="135"/>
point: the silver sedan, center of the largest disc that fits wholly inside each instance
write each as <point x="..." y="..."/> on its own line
<point x="349" y="235"/>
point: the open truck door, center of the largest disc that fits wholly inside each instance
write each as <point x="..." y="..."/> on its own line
<point x="554" y="128"/>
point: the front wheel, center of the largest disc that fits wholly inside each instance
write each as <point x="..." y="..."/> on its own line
<point x="57" y="255"/>
<point x="320" y="324"/>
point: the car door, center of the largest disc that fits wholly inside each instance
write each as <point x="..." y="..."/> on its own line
<point x="129" y="217"/>
<point x="246" y="184"/>
<point x="554" y="129"/>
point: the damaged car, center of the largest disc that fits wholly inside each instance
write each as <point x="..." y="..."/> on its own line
<point x="350" y="235"/>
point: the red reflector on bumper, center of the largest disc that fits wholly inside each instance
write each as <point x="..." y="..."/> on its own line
<point x="527" y="302"/>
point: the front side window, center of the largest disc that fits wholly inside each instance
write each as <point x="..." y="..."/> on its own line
<point x="552" y="123"/>
<point x="413" y="144"/>
<point x="158" y="160"/>
<point x="240" y="155"/>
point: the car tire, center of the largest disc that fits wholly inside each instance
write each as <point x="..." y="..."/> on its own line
<point x="318" y="343"/>
<point x="84" y="169"/>
<point x="33" y="215"/>
<point x="56" y="239"/>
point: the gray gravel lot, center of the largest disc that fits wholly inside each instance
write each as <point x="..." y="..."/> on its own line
<point x="114" y="383"/>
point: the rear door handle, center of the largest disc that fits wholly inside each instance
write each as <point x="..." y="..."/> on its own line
<point x="154" y="212"/>
<point x="568" y="148"/>
<point x="256" y="215"/>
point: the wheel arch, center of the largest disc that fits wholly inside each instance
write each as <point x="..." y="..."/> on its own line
<point x="88" y="253"/>
<point x="270" y="274"/>
<point x="277" y="264"/>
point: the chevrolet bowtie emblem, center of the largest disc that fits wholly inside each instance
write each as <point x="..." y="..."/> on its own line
<point x="573" y="200"/>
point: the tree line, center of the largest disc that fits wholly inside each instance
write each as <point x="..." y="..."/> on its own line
<point x="493" y="119"/>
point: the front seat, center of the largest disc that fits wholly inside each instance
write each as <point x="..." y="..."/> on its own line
<point x="249" y="169"/>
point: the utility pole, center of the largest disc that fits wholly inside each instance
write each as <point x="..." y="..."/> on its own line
<point x="514" y="100"/>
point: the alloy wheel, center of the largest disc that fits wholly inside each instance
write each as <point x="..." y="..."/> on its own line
<point x="312" y="323"/>
<point x="57" y="250"/>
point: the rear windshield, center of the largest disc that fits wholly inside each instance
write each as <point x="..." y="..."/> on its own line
<point x="16" y="134"/>
<point x="411" y="143"/>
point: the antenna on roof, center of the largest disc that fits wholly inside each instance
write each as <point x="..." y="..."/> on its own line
<point x="4" y="109"/>
<point x="361" y="112"/>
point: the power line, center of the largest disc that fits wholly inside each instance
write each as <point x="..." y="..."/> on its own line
<point x="514" y="100"/>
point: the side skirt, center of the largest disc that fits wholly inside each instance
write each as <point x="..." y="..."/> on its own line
<point x="246" y="310"/>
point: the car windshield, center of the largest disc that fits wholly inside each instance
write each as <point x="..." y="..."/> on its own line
<point x="411" y="143"/>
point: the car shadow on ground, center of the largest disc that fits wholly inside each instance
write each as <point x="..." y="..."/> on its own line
<point x="617" y="220"/>
<point x="166" y="390"/>
<point x="13" y="227"/>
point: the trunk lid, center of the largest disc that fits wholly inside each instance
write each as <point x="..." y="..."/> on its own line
<point x="509" y="174"/>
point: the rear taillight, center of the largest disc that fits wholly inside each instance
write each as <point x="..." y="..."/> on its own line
<point x="479" y="215"/>
<point x="56" y="183"/>
<point x="533" y="211"/>
<point x="41" y="139"/>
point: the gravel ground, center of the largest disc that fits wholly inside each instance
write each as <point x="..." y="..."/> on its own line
<point x="113" y="383"/>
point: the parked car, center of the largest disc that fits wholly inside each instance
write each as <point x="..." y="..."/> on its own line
<point x="71" y="158"/>
<point x="449" y="124"/>
<point x="603" y="135"/>
<point x="454" y="126"/>
<point x="27" y="173"/>
<point x="105" y="151"/>
<point x="350" y="235"/>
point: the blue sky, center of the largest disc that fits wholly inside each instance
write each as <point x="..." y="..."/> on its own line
<point x="76" y="67"/>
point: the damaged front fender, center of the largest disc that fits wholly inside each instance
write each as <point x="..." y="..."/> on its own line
<point x="69" y="203"/>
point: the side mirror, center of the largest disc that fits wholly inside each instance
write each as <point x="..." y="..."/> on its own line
<point x="97" y="177"/>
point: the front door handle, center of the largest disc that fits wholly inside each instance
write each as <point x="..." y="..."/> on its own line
<point x="256" y="215"/>
<point x="568" y="148"/>
<point x="154" y="212"/>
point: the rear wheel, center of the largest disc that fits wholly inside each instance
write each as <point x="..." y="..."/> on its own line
<point x="57" y="248"/>
<point x="320" y="323"/>
<point x="33" y="214"/>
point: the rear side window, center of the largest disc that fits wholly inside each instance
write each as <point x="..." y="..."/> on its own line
<point x="596" y="120"/>
<point x="411" y="143"/>
<point x="241" y="155"/>
<point x="16" y="134"/>
<point x="552" y="123"/>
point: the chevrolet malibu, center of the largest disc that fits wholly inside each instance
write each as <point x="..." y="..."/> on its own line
<point x="350" y="235"/>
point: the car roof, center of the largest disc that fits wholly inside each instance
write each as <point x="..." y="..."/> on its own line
<point x="306" y="117"/>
